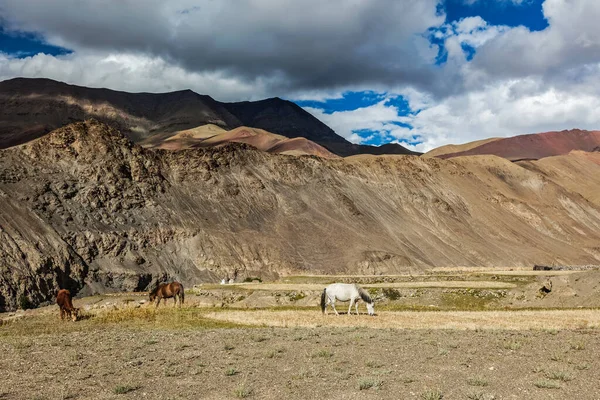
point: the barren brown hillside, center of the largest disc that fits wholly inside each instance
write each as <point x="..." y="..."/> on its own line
<point x="211" y="135"/>
<point x="527" y="147"/>
<point x="85" y="208"/>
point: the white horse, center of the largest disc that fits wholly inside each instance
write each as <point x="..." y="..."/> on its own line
<point x="346" y="292"/>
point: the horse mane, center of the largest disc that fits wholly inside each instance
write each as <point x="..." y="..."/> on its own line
<point x="364" y="295"/>
<point x="155" y="290"/>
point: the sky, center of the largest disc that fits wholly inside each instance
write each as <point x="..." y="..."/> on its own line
<point x="422" y="73"/>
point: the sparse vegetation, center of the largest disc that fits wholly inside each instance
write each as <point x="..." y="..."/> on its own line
<point x="124" y="389"/>
<point x="241" y="392"/>
<point x="231" y="372"/>
<point x="323" y="354"/>
<point x="391" y="294"/>
<point x="432" y="395"/>
<point x="545" y="384"/>
<point x="477" y="381"/>
<point x="559" y="376"/>
<point x="577" y="346"/>
<point x="369" y="383"/>
<point x="513" y="345"/>
<point x="24" y="302"/>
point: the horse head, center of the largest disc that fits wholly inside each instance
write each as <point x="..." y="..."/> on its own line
<point x="371" y="308"/>
<point x="153" y="293"/>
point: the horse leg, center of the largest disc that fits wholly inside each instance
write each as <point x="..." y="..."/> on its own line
<point x="333" y="306"/>
<point x="62" y="314"/>
<point x="356" y="307"/>
<point x="157" y="302"/>
<point x="351" y="302"/>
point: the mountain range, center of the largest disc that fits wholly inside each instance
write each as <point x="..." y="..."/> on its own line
<point x="150" y="190"/>
<point x="31" y="108"/>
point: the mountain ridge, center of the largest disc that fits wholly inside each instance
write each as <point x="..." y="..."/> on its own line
<point x="87" y="209"/>
<point x="33" y="107"/>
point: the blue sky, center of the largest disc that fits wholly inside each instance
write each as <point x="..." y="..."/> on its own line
<point x="503" y="13"/>
<point x="421" y="73"/>
<point x="23" y="44"/>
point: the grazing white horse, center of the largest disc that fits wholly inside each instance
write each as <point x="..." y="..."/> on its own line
<point x="346" y="292"/>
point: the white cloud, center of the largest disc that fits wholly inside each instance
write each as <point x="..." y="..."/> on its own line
<point x="129" y="72"/>
<point x="378" y="117"/>
<point x="519" y="81"/>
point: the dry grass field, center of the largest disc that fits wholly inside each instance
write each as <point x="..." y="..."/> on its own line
<point x="126" y="349"/>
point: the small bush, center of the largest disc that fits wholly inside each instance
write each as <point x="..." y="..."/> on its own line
<point x="242" y="392"/>
<point x="228" y="347"/>
<point x="583" y="366"/>
<point x="24" y="302"/>
<point x="365" y="384"/>
<point x="231" y="372"/>
<point x="123" y="389"/>
<point x="513" y="345"/>
<point x="559" y="376"/>
<point x="391" y="294"/>
<point x="544" y="384"/>
<point x="323" y="354"/>
<point x="578" y="346"/>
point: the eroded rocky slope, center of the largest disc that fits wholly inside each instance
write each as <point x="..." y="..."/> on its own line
<point x="85" y="208"/>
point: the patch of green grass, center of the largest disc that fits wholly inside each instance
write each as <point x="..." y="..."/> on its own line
<point x="124" y="389"/>
<point x="432" y="395"/>
<point x="373" y="364"/>
<point x="513" y="345"/>
<point x="241" y="392"/>
<point x="559" y="376"/>
<point x="470" y="299"/>
<point x="544" y="384"/>
<point x="577" y="346"/>
<point x="323" y="354"/>
<point x="368" y="383"/>
<point x="477" y="381"/>
<point x="582" y="367"/>
<point x="143" y="317"/>
<point x="231" y="372"/>
<point x="275" y="353"/>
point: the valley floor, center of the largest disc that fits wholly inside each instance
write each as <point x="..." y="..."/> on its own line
<point x="146" y="360"/>
<point x="464" y="336"/>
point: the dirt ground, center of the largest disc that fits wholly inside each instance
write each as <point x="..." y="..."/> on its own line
<point x="84" y="361"/>
<point x="470" y="340"/>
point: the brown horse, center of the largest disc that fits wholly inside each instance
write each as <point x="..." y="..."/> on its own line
<point x="166" y="291"/>
<point x="65" y="303"/>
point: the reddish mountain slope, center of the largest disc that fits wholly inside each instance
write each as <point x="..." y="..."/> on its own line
<point x="535" y="146"/>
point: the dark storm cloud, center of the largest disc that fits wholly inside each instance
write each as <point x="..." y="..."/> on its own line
<point x="293" y="44"/>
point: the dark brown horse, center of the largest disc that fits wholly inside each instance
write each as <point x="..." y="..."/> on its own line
<point x="166" y="291"/>
<point x="65" y="303"/>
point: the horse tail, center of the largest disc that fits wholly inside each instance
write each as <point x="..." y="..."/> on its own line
<point x="364" y="295"/>
<point x="323" y="300"/>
